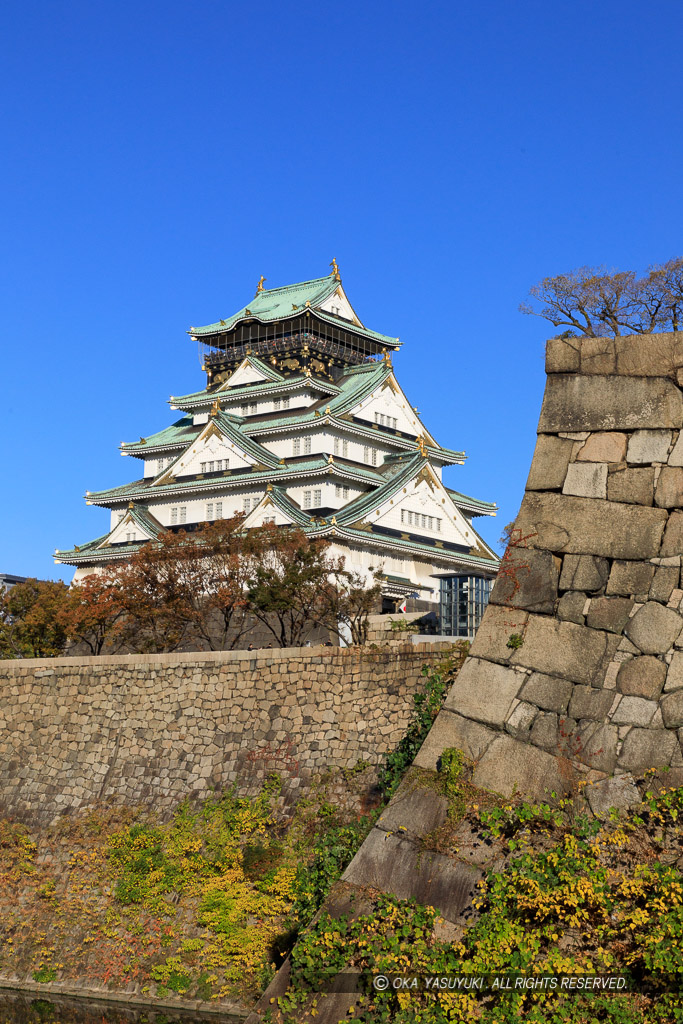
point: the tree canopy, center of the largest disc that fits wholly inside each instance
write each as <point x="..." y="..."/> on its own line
<point x="193" y="590"/>
<point x="596" y="302"/>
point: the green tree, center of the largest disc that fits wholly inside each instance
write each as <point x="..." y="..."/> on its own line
<point x="31" y="623"/>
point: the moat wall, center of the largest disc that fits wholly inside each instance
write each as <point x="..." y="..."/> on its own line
<point x="157" y="728"/>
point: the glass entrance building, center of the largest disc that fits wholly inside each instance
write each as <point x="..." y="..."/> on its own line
<point x="462" y="604"/>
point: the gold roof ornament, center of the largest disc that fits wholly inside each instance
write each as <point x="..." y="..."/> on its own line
<point x="222" y="323"/>
<point x="328" y="411"/>
<point x="308" y="302"/>
<point x="131" y="505"/>
<point x="142" y="441"/>
<point x="269" y="487"/>
<point x="422" y="446"/>
<point x="294" y="306"/>
<point x="248" y="311"/>
<point x="259" y="286"/>
<point x="215" y="408"/>
<point x="282" y="462"/>
<point x="335" y="269"/>
<point x="330" y="458"/>
<point x="333" y="520"/>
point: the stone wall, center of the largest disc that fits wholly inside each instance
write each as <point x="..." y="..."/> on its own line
<point x="158" y="728"/>
<point x="577" y="670"/>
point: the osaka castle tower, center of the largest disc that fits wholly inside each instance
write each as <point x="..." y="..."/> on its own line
<point x="302" y="423"/>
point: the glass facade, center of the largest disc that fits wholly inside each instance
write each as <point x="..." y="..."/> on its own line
<point x="462" y="605"/>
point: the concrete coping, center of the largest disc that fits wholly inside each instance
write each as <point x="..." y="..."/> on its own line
<point x="213" y="657"/>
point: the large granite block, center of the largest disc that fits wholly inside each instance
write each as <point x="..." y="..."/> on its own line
<point x="528" y="579"/>
<point x="565" y="649"/>
<point x="587" y="479"/>
<point x="452" y="730"/>
<point x="632" y="486"/>
<point x="497" y="625"/>
<point x="642" y="677"/>
<point x="584" y="572"/>
<point x="484" y="691"/>
<point x="549" y="464"/>
<point x="560" y="523"/>
<point x="510" y="766"/>
<point x="647" y="748"/>
<point x="548" y="692"/>
<point x="629" y="578"/>
<point x="603" y="447"/>
<point x="396" y="865"/>
<point x="654" y="627"/>
<point x="573" y="402"/>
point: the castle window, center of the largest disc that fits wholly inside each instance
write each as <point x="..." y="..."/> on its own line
<point x="296" y="446"/>
<point x="211" y="467"/>
<point x="183" y="513"/>
<point x="417" y="519"/>
<point x="277" y="403"/>
<point x="246" y="504"/>
<point x="345" y="447"/>
<point x="366" y="454"/>
<point x="307" y="446"/>
<point x="209" y="511"/>
<point x="336" y="446"/>
<point x="317" y="499"/>
<point x="341" y="492"/>
<point x="160" y="465"/>
<point x="219" y="510"/>
<point x="285" y="403"/>
<point x="174" y="516"/>
<point x="307" y="499"/>
<point x="202" y="467"/>
<point x="374" y="456"/>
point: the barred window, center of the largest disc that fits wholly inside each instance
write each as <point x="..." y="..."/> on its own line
<point x="317" y="499"/>
<point x="341" y="492"/>
<point x="307" y="499"/>
<point x="374" y="456"/>
<point x="246" y="504"/>
<point x="219" y="510"/>
<point x="307" y="446"/>
<point x="183" y="513"/>
<point x="296" y="446"/>
<point x="174" y="516"/>
<point x="285" y="403"/>
<point x="209" y="511"/>
<point x="366" y="454"/>
<point x="277" y="403"/>
<point x="202" y="467"/>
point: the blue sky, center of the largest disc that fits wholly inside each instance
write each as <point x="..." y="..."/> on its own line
<point x="159" y="157"/>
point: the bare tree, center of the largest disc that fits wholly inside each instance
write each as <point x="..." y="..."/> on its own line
<point x="594" y="302"/>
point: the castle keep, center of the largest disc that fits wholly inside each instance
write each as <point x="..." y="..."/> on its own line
<point x="302" y="423"/>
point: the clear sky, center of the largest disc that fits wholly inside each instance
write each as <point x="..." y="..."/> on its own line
<point x="159" y="157"/>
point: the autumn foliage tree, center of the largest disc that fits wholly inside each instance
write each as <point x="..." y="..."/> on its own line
<point x="31" y="623"/>
<point x="196" y="589"/>
<point x="595" y="302"/>
<point x="286" y="576"/>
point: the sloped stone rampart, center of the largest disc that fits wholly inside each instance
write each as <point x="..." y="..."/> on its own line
<point x="576" y="672"/>
<point x="158" y="728"/>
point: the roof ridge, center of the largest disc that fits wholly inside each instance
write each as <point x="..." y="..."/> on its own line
<point x="298" y="284"/>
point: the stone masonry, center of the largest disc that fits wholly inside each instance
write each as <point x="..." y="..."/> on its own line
<point x="158" y="728"/>
<point x="576" y="672"/>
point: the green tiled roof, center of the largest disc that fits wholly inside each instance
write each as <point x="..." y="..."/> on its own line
<point x="209" y="395"/>
<point x="373" y="499"/>
<point x="145" y="488"/>
<point x="182" y="431"/>
<point x="277" y="304"/>
<point x="482" y="508"/>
